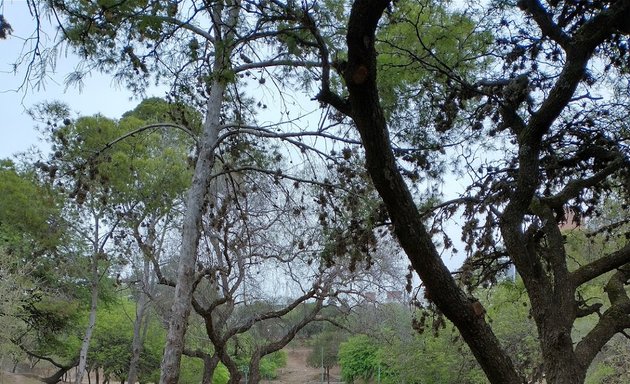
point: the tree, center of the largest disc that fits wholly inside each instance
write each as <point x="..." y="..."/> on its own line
<point x="43" y="282"/>
<point x="11" y="309"/>
<point x="89" y="212"/>
<point x="261" y="229"/>
<point x="536" y="107"/>
<point x="358" y="357"/>
<point x="557" y="148"/>
<point x="145" y="35"/>
<point x="325" y="350"/>
<point x="26" y="209"/>
<point x="122" y="185"/>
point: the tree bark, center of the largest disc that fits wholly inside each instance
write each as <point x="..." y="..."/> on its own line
<point x="138" y="339"/>
<point x="367" y="113"/>
<point x="57" y="376"/>
<point x="210" y="364"/>
<point x="195" y="201"/>
<point x="85" y="346"/>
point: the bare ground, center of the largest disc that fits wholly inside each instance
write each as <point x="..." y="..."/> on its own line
<point x="17" y="378"/>
<point x="298" y="372"/>
<point x="295" y="372"/>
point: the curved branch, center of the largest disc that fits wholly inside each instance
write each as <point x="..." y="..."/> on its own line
<point x="545" y="22"/>
<point x="574" y="187"/>
<point x="600" y="266"/>
<point x="613" y="321"/>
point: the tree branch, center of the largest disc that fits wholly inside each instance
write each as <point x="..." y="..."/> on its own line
<point x="614" y="320"/>
<point x="545" y="22"/>
<point x="600" y="266"/>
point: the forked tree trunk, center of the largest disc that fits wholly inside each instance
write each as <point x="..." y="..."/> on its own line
<point x="210" y="364"/>
<point x="196" y="199"/>
<point x="195" y="202"/>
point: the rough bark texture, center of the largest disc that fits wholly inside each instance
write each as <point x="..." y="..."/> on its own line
<point x="182" y="299"/>
<point x="550" y="284"/>
<point x="366" y="111"/>
<point x="195" y="202"/>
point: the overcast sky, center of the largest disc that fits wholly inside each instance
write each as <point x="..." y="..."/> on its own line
<point x="99" y="95"/>
<point x="17" y="130"/>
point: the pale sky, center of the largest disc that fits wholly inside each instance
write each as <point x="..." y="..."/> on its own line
<point x="99" y="95"/>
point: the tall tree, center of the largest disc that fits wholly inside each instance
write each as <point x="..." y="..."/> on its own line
<point x="215" y="44"/>
<point x="125" y="177"/>
<point x="560" y="158"/>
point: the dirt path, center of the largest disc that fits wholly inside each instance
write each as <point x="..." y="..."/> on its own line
<point x="295" y="372"/>
<point x="298" y="372"/>
<point x="15" y="378"/>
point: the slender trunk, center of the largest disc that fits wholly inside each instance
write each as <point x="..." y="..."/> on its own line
<point x="195" y="204"/>
<point x="254" y="369"/>
<point x="138" y="339"/>
<point x="195" y="201"/>
<point x="136" y="344"/>
<point x="85" y="346"/>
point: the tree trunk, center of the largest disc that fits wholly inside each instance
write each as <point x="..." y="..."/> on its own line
<point x="210" y="364"/>
<point x="366" y="111"/>
<point x="190" y="240"/>
<point x="85" y="346"/>
<point x="195" y="201"/>
<point x="138" y="339"/>
<point x="57" y="376"/>
<point x="254" y="369"/>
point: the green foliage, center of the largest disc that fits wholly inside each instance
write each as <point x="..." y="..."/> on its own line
<point x="118" y="162"/>
<point x="359" y="358"/>
<point x="111" y="341"/>
<point x="270" y="364"/>
<point x="12" y="302"/>
<point x="325" y="349"/>
<point x="192" y="372"/>
<point x="418" y="355"/>
<point x="599" y="374"/>
<point x="421" y="46"/>
<point x="28" y="212"/>
<point x="430" y="358"/>
<point x="508" y="309"/>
